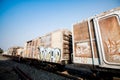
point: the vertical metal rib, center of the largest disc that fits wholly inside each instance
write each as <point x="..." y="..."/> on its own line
<point x="97" y="39"/>
<point x="91" y="42"/>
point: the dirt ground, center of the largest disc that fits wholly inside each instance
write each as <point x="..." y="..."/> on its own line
<point x="6" y="71"/>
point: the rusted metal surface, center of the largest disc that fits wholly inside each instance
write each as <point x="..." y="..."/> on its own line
<point x="110" y="32"/>
<point x="82" y="45"/>
<point x="31" y="48"/>
<point x="97" y="40"/>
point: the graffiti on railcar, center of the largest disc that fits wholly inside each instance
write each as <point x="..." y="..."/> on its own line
<point x="113" y="50"/>
<point x="83" y="50"/>
<point x="110" y="33"/>
<point x="50" y="54"/>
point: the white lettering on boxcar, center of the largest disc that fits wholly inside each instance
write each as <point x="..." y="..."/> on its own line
<point x="50" y="54"/>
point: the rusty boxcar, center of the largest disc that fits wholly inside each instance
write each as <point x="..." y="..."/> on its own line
<point x="96" y="45"/>
<point x="31" y="49"/>
<point x="96" y="41"/>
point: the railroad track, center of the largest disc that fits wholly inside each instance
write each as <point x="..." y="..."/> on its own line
<point x="54" y="71"/>
<point x="24" y="76"/>
<point x="66" y="74"/>
<point x="21" y="73"/>
<point x="61" y="73"/>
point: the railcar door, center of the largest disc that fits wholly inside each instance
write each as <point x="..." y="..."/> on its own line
<point x="108" y="38"/>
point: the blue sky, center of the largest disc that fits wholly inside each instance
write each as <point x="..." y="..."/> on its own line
<point x="23" y="20"/>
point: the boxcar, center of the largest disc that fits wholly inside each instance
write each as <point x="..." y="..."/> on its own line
<point x="31" y="49"/>
<point x="15" y="51"/>
<point x="54" y="47"/>
<point x="96" y="41"/>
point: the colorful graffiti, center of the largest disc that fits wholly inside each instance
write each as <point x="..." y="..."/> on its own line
<point x="50" y="54"/>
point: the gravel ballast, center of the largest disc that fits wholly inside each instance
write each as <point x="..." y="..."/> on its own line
<point x="7" y="71"/>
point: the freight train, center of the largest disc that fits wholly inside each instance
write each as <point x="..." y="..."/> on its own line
<point x="91" y="49"/>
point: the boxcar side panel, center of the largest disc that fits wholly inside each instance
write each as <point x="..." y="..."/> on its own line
<point x="82" y="43"/>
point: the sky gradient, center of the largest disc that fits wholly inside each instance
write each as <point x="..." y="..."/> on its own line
<point x="23" y="20"/>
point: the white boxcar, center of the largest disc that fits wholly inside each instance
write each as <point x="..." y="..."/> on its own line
<point x="54" y="47"/>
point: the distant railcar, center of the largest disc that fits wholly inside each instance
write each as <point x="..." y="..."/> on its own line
<point x="14" y="51"/>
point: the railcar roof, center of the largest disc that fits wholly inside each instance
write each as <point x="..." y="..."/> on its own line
<point x="99" y="15"/>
